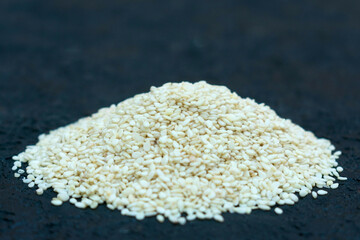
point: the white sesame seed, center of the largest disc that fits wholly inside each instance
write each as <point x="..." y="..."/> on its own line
<point x="79" y="205"/>
<point x="191" y="217"/>
<point x="140" y="216"/>
<point x="264" y="207"/>
<point x="182" y="221"/>
<point x="39" y="191"/>
<point x="278" y="211"/>
<point x="303" y="193"/>
<point x="314" y="194"/>
<point x="294" y="197"/>
<point x="25" y="180"/>
<point x="56" y="202"/>
<point x="160" y="218"/>
<point x="289" y="201"/>
<point x="219" y="218"/>
<point x="183" y="148"/>
<point x="94" y="205"/>
<point x="322" y="192"/>
<point x="63" y="196"/>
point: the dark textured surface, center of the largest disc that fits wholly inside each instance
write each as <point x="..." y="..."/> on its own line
<point x="61" y="60"/>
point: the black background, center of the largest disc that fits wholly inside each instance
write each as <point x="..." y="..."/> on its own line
<point x="62" y="60"/>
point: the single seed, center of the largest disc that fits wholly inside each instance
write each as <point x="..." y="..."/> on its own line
<point x="63" y="196"/>
<point x="39" y="191"/>
<point x="314" y="194"/>
<point x="140" y="216"/>
<point x="322" y="192"/>
<point x="219" y="218"/>
<point x="294" y="197"/>
<point x="182" y="221"/>
<point x="190" y="217"/>
<point x="303" y="193"/>
<point x="56" y="202"/>
<point x="80" y="205"/>
<point x="160" y="218"/>
<point x="278" y="211"/>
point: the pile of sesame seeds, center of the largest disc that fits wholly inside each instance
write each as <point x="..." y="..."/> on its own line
<point x="182" y="151"/>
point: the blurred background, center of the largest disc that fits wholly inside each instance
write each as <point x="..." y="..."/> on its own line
<point x="62" y="60"/>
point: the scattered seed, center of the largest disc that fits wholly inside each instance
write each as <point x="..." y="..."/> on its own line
<point x="322" y="192"/>
<point x="56" y="202"/>
<point x="314" y="194"/>
<point x="278" y="211"/>
<point x="39" y="191"/>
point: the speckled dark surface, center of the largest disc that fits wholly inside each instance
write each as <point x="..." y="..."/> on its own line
<point x="61" y="60"/>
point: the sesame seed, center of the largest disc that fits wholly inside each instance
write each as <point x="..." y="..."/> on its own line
<point x="39" y="191"/>
<point x="56" y="202"/>
<point x="264" y="207"/>
<point x="314" y="194"/>
<point x="182" y="221"/>
<point x="322" y="192"/>
<point x="303" y="193"/>
<point x="160" y="218"/>
<point x="63" y="196"/>
<point x="79" y="205"/>
<point x="278" y="211"/>
<point x="219" y="218"/>
<point x="181" y="149"/>
<point x="140" y="216"/>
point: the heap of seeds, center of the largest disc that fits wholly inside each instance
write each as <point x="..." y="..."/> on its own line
<point x="181" y="151"/>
